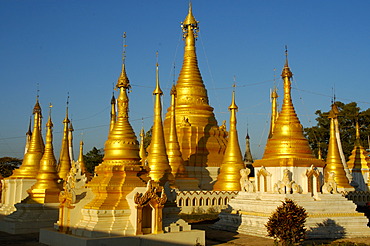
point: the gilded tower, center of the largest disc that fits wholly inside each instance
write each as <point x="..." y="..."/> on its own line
<point x="64" y="164"/>
<point x="46" y="189"/>
<point x="160" y="169"/>
<point x="333" y="158"/>
<point x="287" y="146"/>
<point x="229" y="177"/>
<point x="31" y="160"/>
<point x="201" y="141"/>
<point x="359" y="161"/>
<point x="118" y="175"/>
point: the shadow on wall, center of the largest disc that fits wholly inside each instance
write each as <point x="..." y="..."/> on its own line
<point x="328" y="229"/>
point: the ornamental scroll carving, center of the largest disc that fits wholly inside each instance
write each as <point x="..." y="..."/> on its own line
<point x="150" y="195"/>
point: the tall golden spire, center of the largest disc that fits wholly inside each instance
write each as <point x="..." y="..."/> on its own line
<point x="160" y="170"/>
<point x="142" y="149"/>
<point x="202" y="143"/>
<point x="359" y="161"/>
<point x="31" y="160"/>
<point x="46" y="189"/>
<point x="118" y="174"/>
<point x="64" y="164"/>
<point x="28" y="136"/>
<point x="173" y="148"/>
<point x="333" y="159"/>
<point x="70" y="141"/>
<point x="274" y="110"/>
<point x="113" y="115"/>
<point x="288" y="146"/>
<point x="229" y="177"/>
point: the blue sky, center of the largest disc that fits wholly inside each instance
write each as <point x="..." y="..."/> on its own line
<point x="75" y="47"/>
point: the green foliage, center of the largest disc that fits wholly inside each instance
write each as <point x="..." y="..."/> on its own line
<point x="348" y="114"/>
<point x="286" y="224"/>
<point x="93" y="158"/>
<point x="8" y="164"/>
<point x="148" y="138"/>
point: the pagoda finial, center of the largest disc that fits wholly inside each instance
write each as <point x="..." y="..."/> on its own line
<point x="157" y="89"/>
<point x="123" y="81"/>
<point x="160" y="170"/>
<point x="229" y="176"/>
<point x="233" y="105"/>
<point x="286" y="71"/>
<point x="46" y="189"/>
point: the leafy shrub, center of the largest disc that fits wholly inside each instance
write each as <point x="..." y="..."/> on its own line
<point x="286" y="224"/>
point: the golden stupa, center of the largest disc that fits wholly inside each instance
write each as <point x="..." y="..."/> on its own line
<point x="46" y="189"/>
<point x="333" y="159"/>
<point x="172" y="145"/>
<point x="118" y="174"/>
<point x="359" y="160"/>
<point x="229" y="177"/>
<point x="287" y="146"/>
<point x="31" y="160"/>
<point x="64" y="164"/>
<point x="160" y="169"/>
<point x="201" y="141"/>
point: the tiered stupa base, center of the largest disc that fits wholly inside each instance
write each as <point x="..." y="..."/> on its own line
<point x="30" y="218"/>
<point x="14" y="191"/>
<point x="329" y="215"/>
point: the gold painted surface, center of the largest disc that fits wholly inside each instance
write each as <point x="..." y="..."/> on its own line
<point x="160" y="169"/>
<point x="288" y="146"/>
<point x="359" y="160"/>
<point x="46" y="189"/>
<point x="31" y="160"/>
<point x="142" y="152"/>
<point x="64" y="164"/>
<point x="121" y="170"/>
<point x="274" y="111"/>
<point x="81" y="161"/>
<point x="333" y="159"/>
<point x="173" y="147"/>
<point x="70" y="141"/>
<point x="229" y="177"/>
<point x="201" y="141"/>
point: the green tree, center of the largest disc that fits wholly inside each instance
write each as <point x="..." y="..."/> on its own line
<point x="148" y="138"/>
<point x="348" y="114"/>
<point x="93" y="158"/>
<point x="8" y="164"/>
<point x="286" y="224"/>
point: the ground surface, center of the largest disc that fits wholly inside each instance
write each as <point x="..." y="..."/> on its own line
<point x="214" y="237"/>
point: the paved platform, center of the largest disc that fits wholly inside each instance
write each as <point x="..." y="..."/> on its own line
<point x="213" y="237"/>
